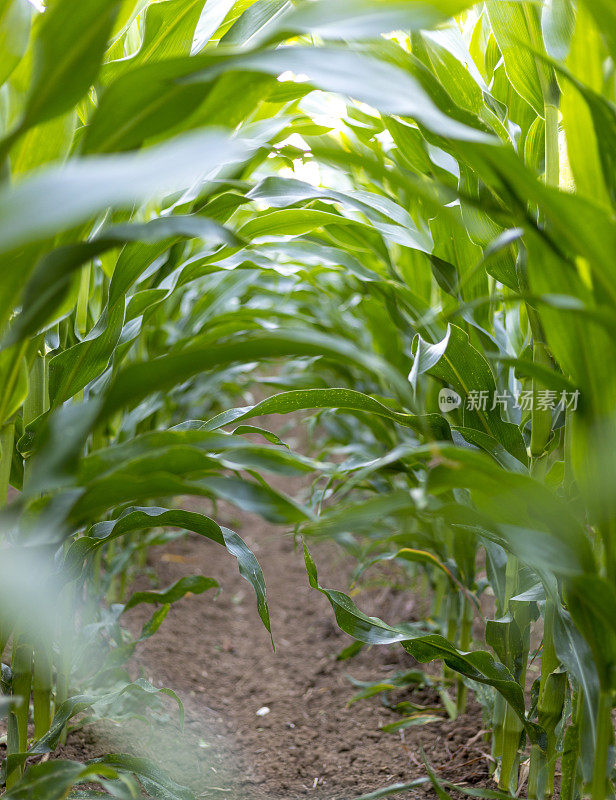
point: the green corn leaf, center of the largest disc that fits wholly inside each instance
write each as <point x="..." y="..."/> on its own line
<point x="169" y="28"/>
<point x="478" y="665"/>
<point x="53" y="780"/>
<point x="161" y="475"/>
<point x="75" y="367"/>
<point x="394" y="788"/>
<point x="78" y="703"/>
<point x="137" y="381"/>
<point x="574" y="652"/>
<point x="152" y="98"/>
<point x="14" y="379"/>
<point x="68" y="50"/>
<point x="197" y="450"/>
<point x="45" y="143"/>
<point x="479" y="792"/>
<point x="191" y="584"/>
<point x="587" y="596"/>
<point x="557" y="25"/>
<point x="533" y="522"/>
<point x="150" y="627"/>
<point x="515" y="25"/>
<point x="250" y="24"/>
<point x="584" y="119"/>
<point x="15" y="22"/>
<point x="344" y="399"/>
<point x="506" y="639"/>
<point x="362" y="19"/>
<point x="361" y="515"/>
<point x="138" y="519"/>
<point x="257" y="498"/>
<point x="154" y="780"/>
<point x="573" y="220"/>
<point x="456" y="362"/>
<point x="604" y="12"/>
<point x="343" y="76"/>
<point x="413" y="721"/>
<point x="59" y="198"/>
<point x="381" y="211"/>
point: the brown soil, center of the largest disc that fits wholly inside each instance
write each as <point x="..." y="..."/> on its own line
<point x="215" y="653"/>
<point x="218" y="657"/>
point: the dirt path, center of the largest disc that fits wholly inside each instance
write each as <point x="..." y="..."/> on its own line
<point x="214" y="652"/>
<point x="217" y="656"/>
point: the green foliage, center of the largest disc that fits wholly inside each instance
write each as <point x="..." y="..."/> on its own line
<point x="352" y="206"/>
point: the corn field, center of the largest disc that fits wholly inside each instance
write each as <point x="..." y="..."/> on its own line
<point x="395" y="219"/>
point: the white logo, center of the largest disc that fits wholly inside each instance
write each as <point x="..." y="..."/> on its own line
<point x="448" y="400"/>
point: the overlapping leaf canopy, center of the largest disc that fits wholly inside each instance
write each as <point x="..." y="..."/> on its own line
<point x="365" y="200"/>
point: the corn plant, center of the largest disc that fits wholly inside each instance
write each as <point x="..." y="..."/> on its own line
<point x="490" y="302"/>
<point x="467" y="253"/>
<point x="102" y="242"/>
<point x="427" y="262"/>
